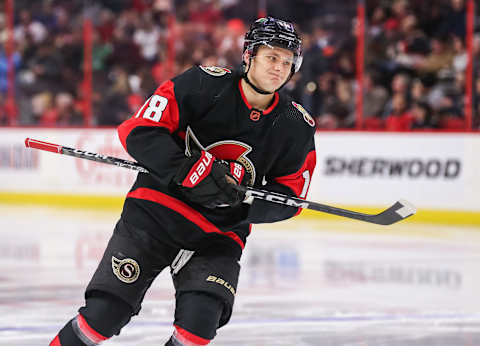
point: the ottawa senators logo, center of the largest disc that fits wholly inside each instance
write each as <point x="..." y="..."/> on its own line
<point x="215" y="70"/>
<point x="126" y="270"/>
<point x="224" y="150"/>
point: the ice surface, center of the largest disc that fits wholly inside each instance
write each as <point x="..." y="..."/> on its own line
<point x="303" y="282"/>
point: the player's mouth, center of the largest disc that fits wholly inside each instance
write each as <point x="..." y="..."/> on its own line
<point x="274" y="77"/>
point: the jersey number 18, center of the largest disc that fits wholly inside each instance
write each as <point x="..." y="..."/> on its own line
<point x="156" y="104"/>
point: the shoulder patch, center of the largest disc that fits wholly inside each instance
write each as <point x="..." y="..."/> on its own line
<point x="307" y="117"/>
<point x="215" y="70"/>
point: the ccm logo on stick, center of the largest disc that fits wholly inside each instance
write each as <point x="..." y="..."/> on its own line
<point x="201" y="169"/>
<point x="278" y="199"/>
<point x="89" y="154"/>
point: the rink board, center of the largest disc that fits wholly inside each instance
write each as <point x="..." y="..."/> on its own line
<point x="437" y="172"/>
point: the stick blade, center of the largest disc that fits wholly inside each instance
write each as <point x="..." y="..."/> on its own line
<point x="397" y="212"/>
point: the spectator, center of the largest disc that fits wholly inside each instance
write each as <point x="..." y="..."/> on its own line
<point x="450" y="120"/>
<point x="375" y="96"/>
<point x="440" y="57"/>
<point x="374" y="101"/>
<point x="101" y="51"/>
<point x="400" y="119"/>
<point x="419" y="91"/>
<point x="339" y="112"/>
<point x="41" y="102"/>
<point x="315" y="93"/>
<point x="147" y="37"/>
<point x="399" y="11"/>
<point x="400" y="85"/>
<point x="422" y="117"/>
<point x="106" y="25"/>
<point x="460" y="57"/>
<point x="229" y="40"/>
<point x="204" y="12"/>
<point x="115" y="108"/>
<point x="455" y="22"/>
<point x="4" y="68"/>
<point x="63" y="113"/>
<point x="125" y="52"/>
<point x="45" y="67"/>
<point x="413" y="47"/>
<point x="28" y="27"/>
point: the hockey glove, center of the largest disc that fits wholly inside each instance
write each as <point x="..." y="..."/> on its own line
<point x="206" y="181"/>
<point x="237" y="174"/>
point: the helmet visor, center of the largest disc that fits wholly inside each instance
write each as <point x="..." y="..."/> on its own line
<point x="295" y="61"/>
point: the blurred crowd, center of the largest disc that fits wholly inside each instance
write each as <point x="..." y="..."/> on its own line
<point x="415" y="69"/>
<point x="415" y="57"/>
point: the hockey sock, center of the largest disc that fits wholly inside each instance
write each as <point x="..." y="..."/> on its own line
<point x="77" y="332"/>
<point x="181" y="337"/>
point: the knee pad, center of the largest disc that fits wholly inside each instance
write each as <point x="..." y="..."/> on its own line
<point x="105" y="313"/>
<point x="198" y="313"/>
<point x="213" y="276"/>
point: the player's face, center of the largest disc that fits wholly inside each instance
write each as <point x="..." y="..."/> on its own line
<point x="271" y="67"/>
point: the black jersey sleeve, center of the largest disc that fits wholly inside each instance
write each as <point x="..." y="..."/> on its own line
<point x="149" y="135"/>
<point x="291" y="175"/>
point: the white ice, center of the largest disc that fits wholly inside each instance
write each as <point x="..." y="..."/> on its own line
<point x="303" y="282"/>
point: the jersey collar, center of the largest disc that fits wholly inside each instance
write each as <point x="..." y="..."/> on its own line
<point x="266" y="111"/>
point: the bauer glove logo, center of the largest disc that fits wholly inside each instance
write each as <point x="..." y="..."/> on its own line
<point x="200" y="170"/>
<point x="126" y="270"/>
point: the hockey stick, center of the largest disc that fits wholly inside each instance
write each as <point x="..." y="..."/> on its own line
<point x="397" y="212"/>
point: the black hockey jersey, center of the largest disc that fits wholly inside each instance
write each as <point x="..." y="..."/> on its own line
<point x="205" y="108"/>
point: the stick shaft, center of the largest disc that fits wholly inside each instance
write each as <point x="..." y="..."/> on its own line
<point x="397" y="212"/>
<point x="82" y="154"/>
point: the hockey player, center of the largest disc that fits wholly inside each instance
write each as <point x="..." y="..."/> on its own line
<point x="201" y="135"/>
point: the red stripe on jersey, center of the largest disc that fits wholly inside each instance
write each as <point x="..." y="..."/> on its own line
<point x="266" y="111"/>
<point x="184" y="210"/>
<point x="189" y="339"/>
<point x="182" y="135"/>
<point x="55" y="342"/>
<point x="88" y="331"/>
<point x="243" y="94"/>
<point x="274" y="104"/>
<point x="296" y="181"/>
<point x="159" y="115"/>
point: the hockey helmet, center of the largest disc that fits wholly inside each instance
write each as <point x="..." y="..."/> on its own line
<point x="270" y="31"/>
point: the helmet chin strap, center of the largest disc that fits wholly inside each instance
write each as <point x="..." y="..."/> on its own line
<point x="254" y="87"/>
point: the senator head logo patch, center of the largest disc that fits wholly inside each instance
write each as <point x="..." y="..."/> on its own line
<point x="225" y="150"/>
<point x="126" y="270"/>
<point x="307" y="117"/>
<point x="215" y="70"/>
